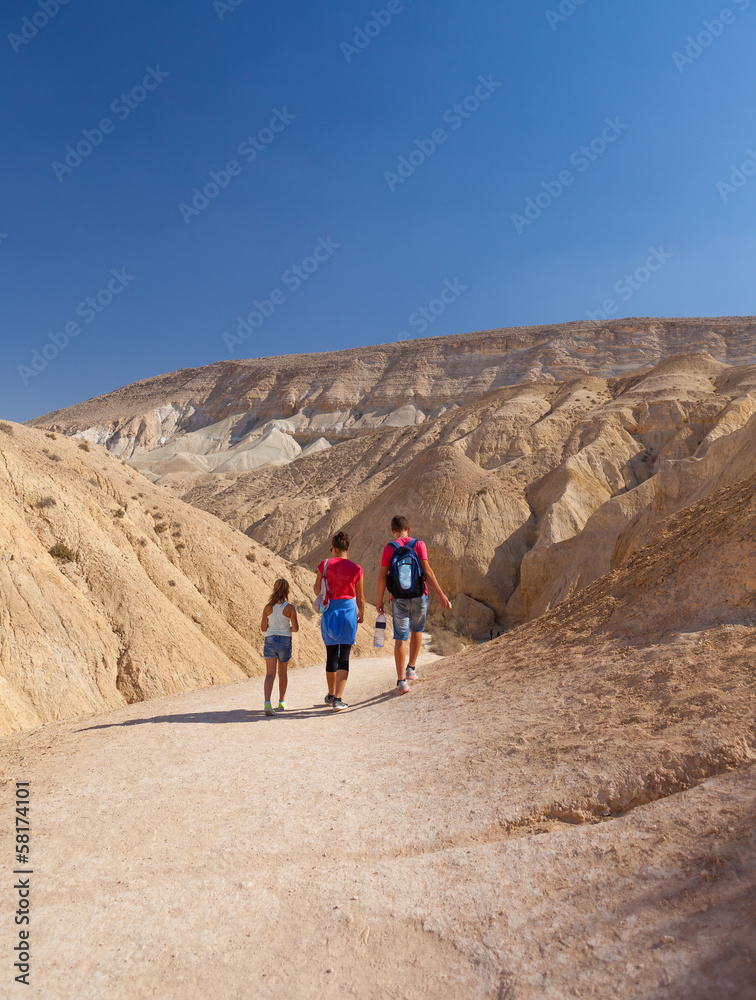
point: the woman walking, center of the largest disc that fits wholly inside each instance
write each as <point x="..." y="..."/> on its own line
<point x="279" y="620"/>
<point x="346" y="608"/>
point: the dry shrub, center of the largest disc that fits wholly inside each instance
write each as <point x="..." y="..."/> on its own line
<point x="251" y="557"/>
<point x="61" y="551"/>
<point x="444" y="641"/>
<point x="84" y="446"/>
<point x="6" y="428"/>
<point x="46" y="502"/>
<point x="160" y="528"/>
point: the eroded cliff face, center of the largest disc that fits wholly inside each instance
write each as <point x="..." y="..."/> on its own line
<point x="529" y="459"/>
<point x="521" y="494"/>
<point x="229" y="405"/>
<point x="112" y="591"/>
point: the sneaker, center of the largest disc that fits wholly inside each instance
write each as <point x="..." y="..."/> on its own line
<point x="402" y="687"/>
<point x="281" y="706"/>
<point x="339" y="705"/>
<point x="411" y="674"/>
<point x="329" y="699"/>
<point x="269" y="708"/>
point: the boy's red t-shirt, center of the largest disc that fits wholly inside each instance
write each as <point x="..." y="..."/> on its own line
<point x="342" y="577"/>
<point x="421" y="551"/>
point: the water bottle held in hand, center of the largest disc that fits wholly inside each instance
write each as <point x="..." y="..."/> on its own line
<point x="380" y="631"/>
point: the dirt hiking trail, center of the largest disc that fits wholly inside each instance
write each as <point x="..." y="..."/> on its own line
<point x="189" y="847"/>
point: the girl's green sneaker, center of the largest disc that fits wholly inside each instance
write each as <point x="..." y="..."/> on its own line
<point x="281" y="706"/>
<point x="268" y="708"/>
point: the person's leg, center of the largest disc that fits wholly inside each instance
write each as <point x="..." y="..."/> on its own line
<point x="342" y="674"/>
<point x="418" y="614"/>
<point x="283" y="679"/>
<point x="332" y="665"/>
<point x="400" y="655"/>
<point x="270" y="676"/>
<point x="401" y="620"/>
<point x="416" y="643"/>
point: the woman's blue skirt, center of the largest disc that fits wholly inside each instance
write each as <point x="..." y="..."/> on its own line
<point x="338" y="623"/>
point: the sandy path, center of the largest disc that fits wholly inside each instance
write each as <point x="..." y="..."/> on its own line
<point x="191" y="848"/>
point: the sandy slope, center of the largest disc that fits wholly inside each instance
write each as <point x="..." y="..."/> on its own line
<point x="191" y="848"/>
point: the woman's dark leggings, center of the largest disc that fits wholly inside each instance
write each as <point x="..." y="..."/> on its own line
<point x="338" y="658"/>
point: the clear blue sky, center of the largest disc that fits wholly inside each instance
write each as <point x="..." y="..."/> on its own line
<point x="344" y="116"/>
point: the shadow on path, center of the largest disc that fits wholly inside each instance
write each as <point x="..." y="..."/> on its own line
<point x="242" y="715"/>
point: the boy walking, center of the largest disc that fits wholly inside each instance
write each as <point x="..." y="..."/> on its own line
<point x="406" y="573"/>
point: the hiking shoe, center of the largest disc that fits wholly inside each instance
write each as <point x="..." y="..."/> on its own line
<point x="402" y="687"/>
<point x="329" y="699"/>
<point x="411" y="674"/>
<point x="339" y="705"/>
<point x="269" y="708"/>
<point x="281" y="706"/>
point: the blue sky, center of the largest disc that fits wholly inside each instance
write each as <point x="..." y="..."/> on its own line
<point x="313" y="219"/>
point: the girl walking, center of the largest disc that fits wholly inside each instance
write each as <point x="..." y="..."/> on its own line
<point x="279" y="620"/>
<point x="346" y="608"/>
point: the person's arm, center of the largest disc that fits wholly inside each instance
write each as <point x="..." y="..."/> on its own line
<point x="291" y="612"/>
<point x="264" y="623"/>
<point x="381" y="588"/>
<point x="318" y="581"/>
<point x="360" y="594"/>
<point x="430" y="576"/>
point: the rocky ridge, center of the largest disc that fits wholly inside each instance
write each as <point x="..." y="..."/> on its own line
<point x="114" y="591"/>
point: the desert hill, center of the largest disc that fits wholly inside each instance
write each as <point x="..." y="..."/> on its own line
<point x="142" y="595"/>
<point x="523" y="492"/>
<point x="530" y="458"/>
<point x="565" y="811"/>
<point x="210" y="418"/>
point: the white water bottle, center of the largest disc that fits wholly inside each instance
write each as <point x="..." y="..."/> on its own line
<point x="380" y="631"/>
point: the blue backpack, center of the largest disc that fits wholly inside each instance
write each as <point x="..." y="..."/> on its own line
<point x="405" y="576"/>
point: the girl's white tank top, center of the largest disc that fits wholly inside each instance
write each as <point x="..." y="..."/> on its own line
<point x="278" y="623"/>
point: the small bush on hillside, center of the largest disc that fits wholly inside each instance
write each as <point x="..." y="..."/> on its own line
<point x="305" y="610"/>
<point x="251" y="557"/>
<point x="181" y="546"/>
<point x="6" y="429"/>
<point x="84" y="446"/>
<point x="266" y="563"/>
<point x="61" y="551"/>
<point x="46" y="502"/>
<point x="51" y="436"/>
<point x="160" y="528"/>
<point x="171" y="583"/>
<point x="119" y="513"/>
<point x="55" y="458"/>
<point x="444" y="641"/>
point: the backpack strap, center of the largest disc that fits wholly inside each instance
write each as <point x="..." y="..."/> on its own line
<point x="325" y="578"/>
